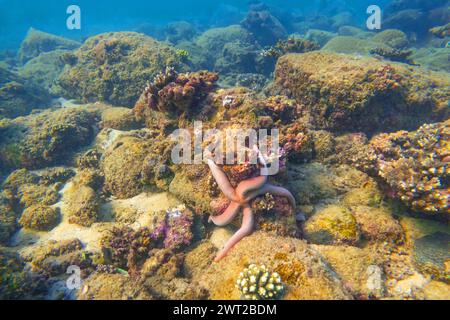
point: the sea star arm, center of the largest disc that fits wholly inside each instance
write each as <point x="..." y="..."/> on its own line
<point x="251" y="184"/>
<point x="223" y="182"/>
<point x="246" y="229"/>
<point x="227" y="216"/>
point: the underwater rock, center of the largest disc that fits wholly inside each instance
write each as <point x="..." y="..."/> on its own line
<point x="377" y="224"/>
<point x="54" y="257"/>
<point x="442" y="31"/>
<point x="354" y="266"/>
<point x="101" y="286"/>
<point x="18" y="97"/>
<point x="266" y="29"/>
<point x="409" y="20"/>
<point x="195" y="56"/>
<point x="431" y="254"/>
<point x="123" y="166"/>
<point x="32" y="194"/>
<point x="433" y="58"/>
<point x="237" y="57"/>
<point x="332" y="225"/>
<point x="39" y="217"/>
<point x="354" y="32"/>
<point x="350" y="45"/>
<point x="305" y="274"/>
<point x="8" y="219"/>
<point x="81" y="204"/>
<point x="213" y="40"/>
<point x="17" y="281"/>
<point x="37" y="42"/>
<point x="325" y="83"/>
<point x="393" y="38"/>
<point x="46" y="138"/>
<point x="253" y="81"/>
<point x="119" y="119"/>
<point x="321" y="37"/>
<point x="179" y="31"/>
<point x="44" y="70"/>
<point x="114" y="67"/>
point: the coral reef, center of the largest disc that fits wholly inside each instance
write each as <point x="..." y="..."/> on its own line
<point x="415" y="166"/>
<point x="258" y="283"/>
<point x="147" y="248"/>
<point x="114" y="67"/>
<point x="119" y="119"/>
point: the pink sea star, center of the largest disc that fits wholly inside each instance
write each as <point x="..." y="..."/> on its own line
<point x="240" y="198"/>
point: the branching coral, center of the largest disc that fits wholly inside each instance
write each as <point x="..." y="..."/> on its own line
<point x="394" y="55"/>
<point x="129" y="249"/>
<point x="415" y="166"/>
<point x="291" y="45"/>
<point x="173" y="92"/>
<point x="258" y="283"/>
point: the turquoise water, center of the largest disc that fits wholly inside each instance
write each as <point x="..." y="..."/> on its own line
<point x="16" y="16"/>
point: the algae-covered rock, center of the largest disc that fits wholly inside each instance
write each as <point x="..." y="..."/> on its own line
<point x="180" y="31"/>
<point x="393" y="38"/>
<point x="44" y="70"/>
<point x="115" y="67"/>
<point x="358" y="268"/>
<point x="432" y="254"/>
<point x="350" y="45"/>
<point x="213" y="40"/>
<point x="118" y="118"/>
<point x="266" y="28"/>
<point x="8" y="219"/>
<point x="31" y="194"/>
<point x="18" y="96"/>
<point x="305" y="274"/>
<point x="123" y="166"/>
<point x="320" y="37"/>
<point x="343" y="92"/>
<point x="81" y="204"/>
<point x="37" y="42"/>
<point x="17" y="281"/>
<point x="39" y="217"/>
<point x="436" y="59"/>
<point x="332" y="225"/>
<point x="355" y="32"/>
<point x="103" y="286"/>
<point x="47" y="138"/>
<point x="377" y="224"/>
